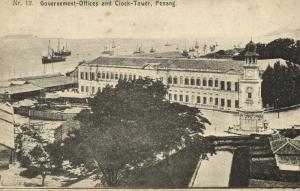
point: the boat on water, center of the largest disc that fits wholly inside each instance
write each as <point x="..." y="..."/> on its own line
<point x="168" y="44"/>
<point x="197" y="45"/>
<point x="152" y="50"/>
<point x="62" y="52"/>
<point x="51" y="57"/>
<point x="139" y="50"/>
<point x="192" y="49"/>
<point x="113" y="45"/>
<point x="107" y="51"/>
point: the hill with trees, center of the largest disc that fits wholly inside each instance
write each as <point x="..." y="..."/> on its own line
<point x="285" y="48"/>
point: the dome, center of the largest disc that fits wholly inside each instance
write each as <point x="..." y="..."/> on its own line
<point x="250" y="47"/>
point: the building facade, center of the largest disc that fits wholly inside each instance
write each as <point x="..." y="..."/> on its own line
<point x="209" y="84"/>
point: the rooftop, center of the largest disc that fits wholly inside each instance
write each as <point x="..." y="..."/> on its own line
<point x="6" y="125"/>
<point x="16" y="89"/>
<point x="49" y="80"/>
<point x="285" y="146"/>
<point x="220" y="66"/>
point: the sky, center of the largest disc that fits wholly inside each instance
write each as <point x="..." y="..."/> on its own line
<point x="190" y="18"/>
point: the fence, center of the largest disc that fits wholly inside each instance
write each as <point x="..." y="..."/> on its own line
<point x="46" y="115"/>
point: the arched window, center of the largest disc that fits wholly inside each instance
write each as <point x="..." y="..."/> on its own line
<point x="103" y="75"/>
<point x="181" y="80"/>
<point x="130" y="77"/>
<point x="204" y="83"/>
<point x="186" y="81"/>
<point x="112" y="75"/>
<point x="116" y="76"/>
<point x="169" y="80"/>
<point x="198" y="82"/>
<point x="192" y="81"/>
<point x="107" y="75"/>
<point x="98" y="75"/>
<point x="216" y="82"/>
<point x="210" y="82"/>
<point x="121" y="76"/>
<point x="175" y="81"/>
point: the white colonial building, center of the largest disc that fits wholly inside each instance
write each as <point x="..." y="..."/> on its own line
<point x="223" y="85"/>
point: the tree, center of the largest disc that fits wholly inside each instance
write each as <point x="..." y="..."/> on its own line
<point x="131" y="124"/>
<point x="40" y="160"/>
<point x="31" y="153"/>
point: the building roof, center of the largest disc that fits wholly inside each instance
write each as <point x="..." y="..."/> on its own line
<point x="48" y="81"/>
<point x="16" y="89"/>
<point x="6" y="125"/>
<point x="285" y="146"/>
<point x="297" y="138"/>
<point x="209" y="65"/>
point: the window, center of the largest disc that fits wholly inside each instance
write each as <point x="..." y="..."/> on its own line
<point x="249" y="95"/>
<point x="82" y="75"/>
<point x="204" y="82"/>
<point x="116" y="76"/>
<point x="82" y="88"/>
<point x="175" y="80"/>
<point x="103" y="75"/>
<point x="107" y="75"/>
<point x="216" y="83"/>
<point x="236" y="104"/>
<point x="222" y="102"/>
<point x="192" y="99"/>
<point x="170" y="96"/>
<point x="228" y="103"/>
<point x="92" y="76"/>
<point x="187" y="98"/>
<point x="216" y="101"/>
<point x="121" y="76"/>
<point x="204" y="100"/>
<point x="169" y="80"/>
<point x="186" y="81"/>
<point x="130" y="77"/>
<point x="198" y="99"/>
<point x="87" y="76"/>
<point x="222" y="85"/>
<point x="180" y="97"/>
<point x="98" y="75"/>
<point x="198" y="82"/>
<point x="134" y="77"/>
<point x="175" y="97"/>
<point x="93" y="90"/>
<point x="229" y="86"/>
<point x="87" y="89"/>
<point x="181" y="80"/>
<point x="192" y="81"/>
<point x="210" y="82"/>
<point x="211" y="100"/>
<point x="99" y="89"/>
<point x="125" y="76"/>
<point x="236" y="86"/>
<point x="112" y="75"/>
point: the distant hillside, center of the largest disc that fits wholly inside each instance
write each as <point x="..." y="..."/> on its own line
<point x="284" y="48"/>
<point x="19" y="36"/>
<point x="224" y="54"/>
<point x="284" y="33"/>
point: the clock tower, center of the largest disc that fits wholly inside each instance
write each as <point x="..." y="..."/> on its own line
<point x="251" y="110"/>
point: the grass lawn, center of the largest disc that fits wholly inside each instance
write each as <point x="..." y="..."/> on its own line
<point x="176" y="175"/>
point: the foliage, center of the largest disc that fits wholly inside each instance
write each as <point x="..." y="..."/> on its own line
<point x="129" y="125"/>
<point x="281" y="85"/>
<point x="31" y="153"/>
<point x="285" y="48"/>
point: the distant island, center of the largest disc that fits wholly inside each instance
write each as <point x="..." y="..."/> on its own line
<point x="19" y="36"/>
